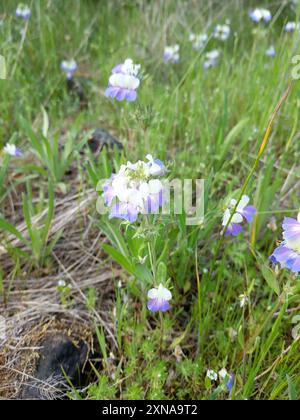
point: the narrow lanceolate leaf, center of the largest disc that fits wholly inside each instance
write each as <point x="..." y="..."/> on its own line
<point x="2" y="68"/>
<point x="292" y="389"/>
<point x="271" y="279"/>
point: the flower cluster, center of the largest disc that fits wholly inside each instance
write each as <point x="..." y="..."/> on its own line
<point x="211" y="59"/>
<point x="287" y="254"/>
<point x="171" y="54"/>
<point x="243" y="211"/>
<point x="159" y="298"/>
<point x="69" y="67"/>
<point x="23" y="11"/>
<point x="12" y="150"/>
<point x="257" y="15"/>
<point x="198" y="41"/>
<point x="124" y="81"/>
<point x="135" y="189"/>
<point x="222" y="32"/>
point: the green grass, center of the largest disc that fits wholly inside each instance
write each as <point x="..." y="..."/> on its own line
<point x="207" y="125"/>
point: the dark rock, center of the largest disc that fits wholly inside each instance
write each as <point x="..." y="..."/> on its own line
<point x="102" y="138"/>
<point x="58" y="357"/>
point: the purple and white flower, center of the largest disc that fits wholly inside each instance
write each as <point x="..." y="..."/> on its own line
<point x="124" y="81"/>
<point x="69" y="67"/>
<point x="12" y="150"/>
<point x="287" y="254"/>
<point x="198" y="41"/>
<point x="23" y="11"/>
<point x="271" y="51"/>
<point x="257" y="15"/>
<point x="222" y="32"/>
<point x="159" y="299"/>
<point x="212" y="375"/>
<point x="135" y="190"/>
<point x="242" y="212"/>
<point x="292" y="27"/>
<point x="171" y="54"/>
<point x="211" y="59"/>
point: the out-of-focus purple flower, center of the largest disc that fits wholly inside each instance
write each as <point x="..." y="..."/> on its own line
<point x="230" y="382"/>
<point x="292" y="27"/>
<point x="198" y="41"/>
<point x="12" y="150"/>
<point x="69" y="67"/>
<point x="287" y="254"/>
<point x="257" y="15"/>
<point x="23" y="11"/>
<point x="243" y="211"/>
<point x="171" y="54"/>
<point x="124" y="81"/>
<point x="135" y="189"/>
<point x="271" y="51"/>
<point x="211" y="59"/>
<point x="159" y="299"/>
<point x="222" y="32"/>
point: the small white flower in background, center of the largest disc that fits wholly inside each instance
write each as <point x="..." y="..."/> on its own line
<point x="211" y="59"/>
<point x="69" y="67"/>
<point x="271" y="52"/>
<point x="244" y="299"/>
<point x="61" y="283"/>
<point x="212" y="375"/>
<point x="171" y="54"/>
<point x="292" y="27"/>
<point x="12" y="150"/>
<point x="223" y="374"/>
<point x="23" y="11"/>
<point x="258" y="15"/>
<point x="222" y="32"/>
<point x="198" y="41"/>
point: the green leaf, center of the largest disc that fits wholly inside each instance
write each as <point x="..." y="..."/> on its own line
<point x="119" y="258"/>
<point x="11" y="229"/>
<point x="271" y="279"/>
<point x="292" y="390"/>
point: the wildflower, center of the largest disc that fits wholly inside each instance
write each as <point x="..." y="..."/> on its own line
<point x="212" y="375"/>
<point x="287" y="254"/>
<point x="159" y="299"/>
<point x="243" y="211"/>
<point x="244" y="299"/>
<point x="257" y="15"/>
<point x="124" y="82"/>
<point x="271" y="52"/>
<point x="198" y="41"/>
<point x="61" y="283"/>
<point x="12" y="150"/>
<point x="230" y="382"/>
<point x="23" y="11"/>
<point x="69" y="67"/>
<point x="292" y="27"/>
<point x="222" y="32"/>
<point x="211" y="59"/>
<point x="171" y="54"/>
<point x="223" y="374"/>
<point x="135" y="189"/>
